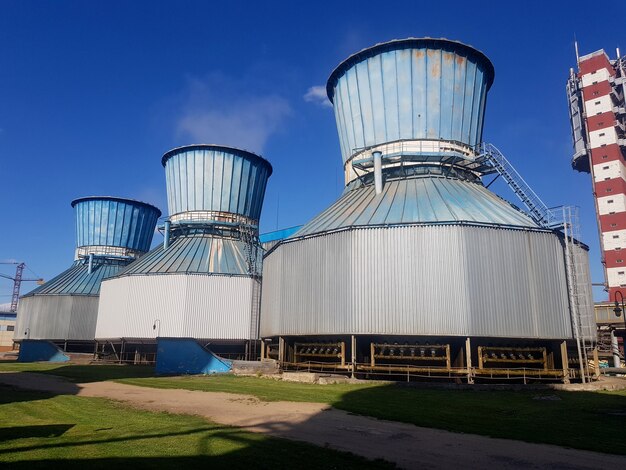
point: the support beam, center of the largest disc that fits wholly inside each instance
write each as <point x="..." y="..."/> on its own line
<point x="564" y="362"/>
<point x="281" y="350"/>
<point x="353" y="348"/>
<point x="468" y="354"/>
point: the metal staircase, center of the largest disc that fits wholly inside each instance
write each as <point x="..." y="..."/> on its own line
<point x="564" y="218"/>
<point x="537" y="209"/>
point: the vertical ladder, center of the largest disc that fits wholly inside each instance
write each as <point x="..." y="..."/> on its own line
<point x="583" y="321"/>
<point x="252" y="249"/>
<point x="565" y="218"/>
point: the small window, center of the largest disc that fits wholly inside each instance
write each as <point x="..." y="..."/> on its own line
<point x="612" y="212"/>
<point x="613" y="225"/>
<point x="600" y="124"/>
<point x="609" y="190"/>
<point x="622" y="285"/>
<point x="618" y="248"/>
<point x="596" y="93"/>
<point x="605" y="167"/>
<point x="615" y="236"/>
<point x="603" y="145"/>
<point x="604" y="157"/>
<point x="594" y="83"/>
<point x="602" y="134"/>
<point x="619" y="261"/>
<point x="597" y="102"/>
<point x="610" y="201"/>
<point x="607" y="178"/>
<point x="620" y="273"/>
<point x="10" y="328"/>
<point x="594" y="72"/>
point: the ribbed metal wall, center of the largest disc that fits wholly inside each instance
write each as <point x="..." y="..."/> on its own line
<point x="410" y="89"/>
<point x="107" y="221"/>
<point x="214" y="178"/>
<point x="420" y="280"/>
<point x="187" y="305"/>
<point x="57" y="317"/>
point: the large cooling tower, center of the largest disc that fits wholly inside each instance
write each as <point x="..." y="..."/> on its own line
<point x="204" y="281"/>
<point x="416" y="249"/>
<point x="110" y="233"/>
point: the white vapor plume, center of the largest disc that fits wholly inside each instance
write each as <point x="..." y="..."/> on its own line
<point x="317" y="94"/>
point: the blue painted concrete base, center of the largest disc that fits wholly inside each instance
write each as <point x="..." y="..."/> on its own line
<point x="186" y="356"/>
<point x="33" y="350"/>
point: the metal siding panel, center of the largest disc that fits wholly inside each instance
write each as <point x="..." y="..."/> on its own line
<point x="365" y="103"/>
<point x="448" y="280"/>
<point x="207" y="307"/>
<point x="416" y="92"/>
<point x="390" y="90"/>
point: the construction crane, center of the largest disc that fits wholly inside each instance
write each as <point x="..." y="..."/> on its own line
<point x="17" y="282"/>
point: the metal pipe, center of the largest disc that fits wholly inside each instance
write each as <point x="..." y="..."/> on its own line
<point x="615" y="350"/>
<point x="378" y="171"/>
<point x="166" y="234"/>
<point x="90" y="268"/>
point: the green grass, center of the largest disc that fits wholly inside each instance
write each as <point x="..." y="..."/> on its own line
<point x="38" y="430"/>
<point x="79" y="373"/>
<point x="584" y="420"/>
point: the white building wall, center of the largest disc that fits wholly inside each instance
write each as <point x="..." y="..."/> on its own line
<point x="598" y="105"/>
<point x="609" y="170"/>
<point x="614" y="239"/>
<point x="611" y="204"/>
<point x="597" y="77"/>
<point x="616" y="277"/>
<point x="187" y="305"/>
<point x="604" y="136"/>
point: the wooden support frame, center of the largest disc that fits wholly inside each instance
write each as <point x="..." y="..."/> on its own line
<point x="565" y="362"/>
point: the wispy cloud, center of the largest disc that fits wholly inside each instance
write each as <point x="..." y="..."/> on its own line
<point x="317" y="94"/>
<point x="220" y="110"/>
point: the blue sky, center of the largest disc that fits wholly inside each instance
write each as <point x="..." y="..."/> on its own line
<point x="93" y="93"/>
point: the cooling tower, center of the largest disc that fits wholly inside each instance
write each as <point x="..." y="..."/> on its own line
<point x="417" y="268"/>
<point x="203" y="282"/>
<point x="110" y="233"/>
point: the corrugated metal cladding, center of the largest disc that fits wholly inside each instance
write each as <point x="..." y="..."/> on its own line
<point x="214" y="178"/>
<point x="420" y="280"/>
<point x="187" y="305"/>
<point x="57" y="317"/>
<point x="109" y="221"/>
<point x="78" y="280"/>
<point x="417" y="200"/>
<point x="410" y="89"/>
<point x="66" y="307"/>
<point x="197" y="254"/>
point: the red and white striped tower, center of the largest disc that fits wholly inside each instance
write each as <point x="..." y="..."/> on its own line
<point x="600" y="148"/>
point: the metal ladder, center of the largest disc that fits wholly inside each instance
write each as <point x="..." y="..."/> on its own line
<point x="564" y="218"/>
<point x="252" y="249"/>
<point x="585" y="331"/>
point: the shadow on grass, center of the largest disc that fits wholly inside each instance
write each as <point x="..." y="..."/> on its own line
<point x="582" y="420"/>
<point x="24" y="432"/>
<point x="99" y="373"/>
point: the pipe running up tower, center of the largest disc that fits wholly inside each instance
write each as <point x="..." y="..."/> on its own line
<point x="111" y="232"/>
<point x="416" y="249"/>
<point x="203" y="282"/>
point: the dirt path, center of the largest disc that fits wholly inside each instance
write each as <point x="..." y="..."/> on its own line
<point x="407" y="445"/>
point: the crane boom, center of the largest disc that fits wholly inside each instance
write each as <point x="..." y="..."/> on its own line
<point x="17" y="283"/>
